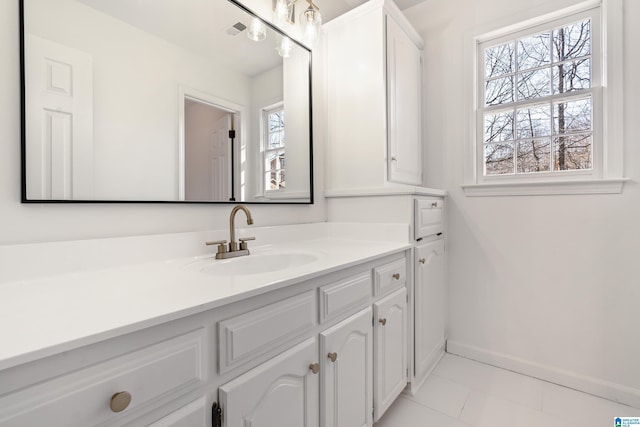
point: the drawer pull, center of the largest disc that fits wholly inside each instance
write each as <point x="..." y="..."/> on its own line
<point x="120" y="401"/>
<point x="383" y="322"/>
<point x="315" y="367"/>
<point x="332" y="357"/>
<point x="434" y="204"/>
<point x="422" y="260"/>
<point x="396" y="276"/>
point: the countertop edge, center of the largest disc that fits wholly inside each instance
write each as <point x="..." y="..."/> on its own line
<point x="15" y="360"/>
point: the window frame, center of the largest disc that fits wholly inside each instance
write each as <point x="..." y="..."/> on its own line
<point x="606" y="91"/>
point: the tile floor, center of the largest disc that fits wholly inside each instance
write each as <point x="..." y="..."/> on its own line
<point x="464" y="393"/>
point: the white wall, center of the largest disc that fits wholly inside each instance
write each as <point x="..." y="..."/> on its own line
<point x="547" y="285"/>
<point x="296" y="110"/>
<point x="20" y="223"/>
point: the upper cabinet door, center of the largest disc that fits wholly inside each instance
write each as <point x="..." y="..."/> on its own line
<point x="346" y="350"/>
<point x="282" y="392"/>
<point x="404" y="106"/>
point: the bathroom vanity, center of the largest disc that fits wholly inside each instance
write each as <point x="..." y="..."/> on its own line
<point x="279" y="337"/>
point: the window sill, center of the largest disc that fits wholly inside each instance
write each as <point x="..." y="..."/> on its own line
<point x="285" y="195"/>
<point x="546" y="188"/>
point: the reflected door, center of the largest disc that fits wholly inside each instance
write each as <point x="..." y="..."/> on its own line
<point x="59" y="113"/>
<point x="207" y="152"/>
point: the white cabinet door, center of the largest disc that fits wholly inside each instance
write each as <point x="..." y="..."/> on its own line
<point x="346" y="350"/>
<point x="282" y="392"/>
<point x="390" y="336"/>
<point x="429" y="308"/>
<point x="404" y="110"/>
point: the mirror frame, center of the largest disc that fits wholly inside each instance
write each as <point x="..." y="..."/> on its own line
<point x="23" y="156"/>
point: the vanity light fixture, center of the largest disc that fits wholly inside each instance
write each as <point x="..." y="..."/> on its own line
<point x="310" y="18"/>
<point x="257" y="30"/>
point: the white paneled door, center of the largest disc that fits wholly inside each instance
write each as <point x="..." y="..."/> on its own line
<point x="282" y="392"/>
<point x="404" y="106"/>
<point x="59" y="111"/>
<point x="390" y="319"/>
<point x="429" y="306"/>
<point x="347" y="371"/>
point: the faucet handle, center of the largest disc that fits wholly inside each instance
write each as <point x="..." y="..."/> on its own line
<point x="243" y="242"/>
<point x="221" y="245"/>
<point x="217" y="242"/>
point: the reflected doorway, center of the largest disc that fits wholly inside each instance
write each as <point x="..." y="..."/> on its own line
<point x="209" y="148"/>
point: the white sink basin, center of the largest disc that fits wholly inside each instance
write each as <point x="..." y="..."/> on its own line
<point x="258" y="263"/>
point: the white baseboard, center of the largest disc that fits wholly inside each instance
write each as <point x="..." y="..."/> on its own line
<point x="598" y="387"/>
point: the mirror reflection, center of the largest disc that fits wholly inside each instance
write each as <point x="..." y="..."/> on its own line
<point x="190" y="100"/>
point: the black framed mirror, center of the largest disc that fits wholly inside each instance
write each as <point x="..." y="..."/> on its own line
<point x="195" y="101"/>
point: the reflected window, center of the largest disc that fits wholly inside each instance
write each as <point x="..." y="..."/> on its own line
<point x="273" y="148"/>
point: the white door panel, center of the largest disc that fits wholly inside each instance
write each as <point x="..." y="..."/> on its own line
<point x="59" y="110"/>
<point x="390" y="320"/>
<point x="347" y="378"/>
<point x="282" y="392"/>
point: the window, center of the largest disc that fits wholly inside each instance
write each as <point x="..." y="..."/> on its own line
<point x="274" y="148"/>
<point x="538" y="102"/>
<point x="540" y="113"/>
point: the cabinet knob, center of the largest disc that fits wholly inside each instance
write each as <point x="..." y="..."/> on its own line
<point x="383" y="322"/>
<point x="315" y="367"/>
<point x="393" y="159"/>
<point x="422" y="260"/>
<point x="332" y="356"/>
<point x="120" y="401"/>
<point x="396" y="276"/>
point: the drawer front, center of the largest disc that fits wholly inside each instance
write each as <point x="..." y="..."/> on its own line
<point x="428" y="217"/>
<point x="253" y="334"/>
<point x="345" y="295"/>
<point x="88" y="397"/>
<point x="389" y="276"/>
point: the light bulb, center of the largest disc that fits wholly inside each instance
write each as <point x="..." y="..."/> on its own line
<point x="311" y="22"/>
<point x="285" y="47"/>
<point x="281" y="11"/>
<point x="257" y="30"/>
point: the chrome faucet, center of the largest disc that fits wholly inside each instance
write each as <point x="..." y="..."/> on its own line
<point x="234" y="249"/>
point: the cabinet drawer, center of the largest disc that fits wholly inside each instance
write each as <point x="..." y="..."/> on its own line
<point x="88" y="397"/>
<point x="340" y="297"/>
<point x="389" y="276"/>
<point x="428" y="217"/>
<point x="253" y="334"/>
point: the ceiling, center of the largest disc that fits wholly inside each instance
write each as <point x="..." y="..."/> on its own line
<point x="333" y="8"/>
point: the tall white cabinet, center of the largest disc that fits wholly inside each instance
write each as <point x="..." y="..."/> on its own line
<point x="422" y="210"/>
<point x="374" y="117"/>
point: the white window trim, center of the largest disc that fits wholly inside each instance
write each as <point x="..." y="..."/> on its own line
<point x="608" y="176"/>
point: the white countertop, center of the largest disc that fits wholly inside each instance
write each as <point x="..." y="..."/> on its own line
<point x="42" y="316"/>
